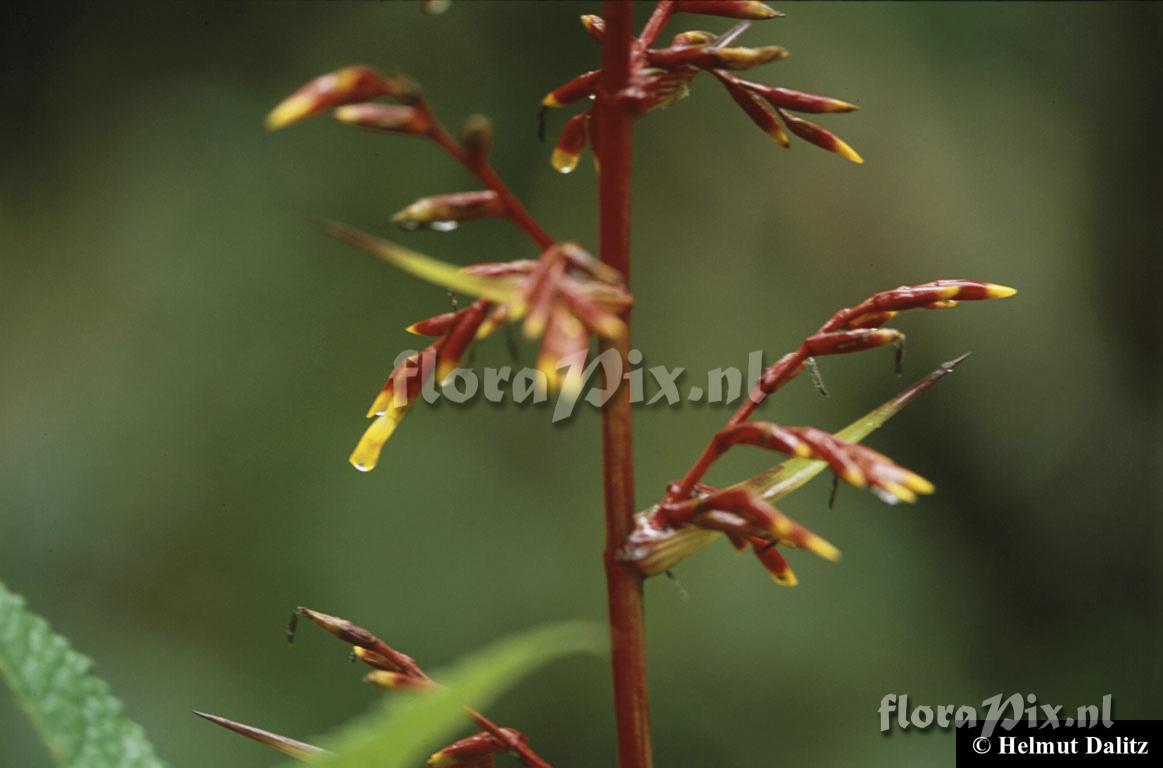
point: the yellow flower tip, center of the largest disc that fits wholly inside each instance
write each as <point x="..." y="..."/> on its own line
<point x="901" y="492"/>
<point x="779" y="136"/>
<point x="517" y="310"/>
<point x="848" y="153"/>
<point x="291" y="110"/>
<point x="534" y="327"/>
<point x="995" y="291"/>
<point x="362" y="463"/>
<point x="549" y="370"/>
<point x="760" y="11"/>
<point x="564" y="162"/>
<point x="386" y="680"/>
<point x="385" y="401"/>
<point x="412" y="329"/>
<point x="781" y="527"/>
<point x="611" y="327"/>
<point x="440" y="760"/>
<point x="348" y="113"/>
<point x="785" y="579"/>
<point x="919" y="484"/>
<point x="854" y="477"/>
<point x="822" y="548"/>
<point x="367" y="452"/>
<point x="444" y="370"/>
<point x="550" y="102"/>
<point x="486" y="329"/>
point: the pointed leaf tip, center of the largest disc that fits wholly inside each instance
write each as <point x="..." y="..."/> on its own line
<point x="299" y="750"/>
<point x="421" y="266"/>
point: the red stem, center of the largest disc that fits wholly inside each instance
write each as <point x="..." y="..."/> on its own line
<point x="482" y="170"/>
<point x="661" y="15"/>
<point x="775" y="376"/>
<point x="623" y="582"/>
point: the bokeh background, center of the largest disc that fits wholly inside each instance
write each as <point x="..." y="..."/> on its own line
<point x="184" y="365"/>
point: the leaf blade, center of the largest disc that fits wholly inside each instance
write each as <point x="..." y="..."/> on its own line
<point x="418" y="265"/>
<point x="77" y="717"/>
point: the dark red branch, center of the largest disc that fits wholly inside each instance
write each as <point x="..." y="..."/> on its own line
<point x="516" y="212"/>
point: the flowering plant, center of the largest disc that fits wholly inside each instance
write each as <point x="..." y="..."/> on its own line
<point x="569" y="300"/>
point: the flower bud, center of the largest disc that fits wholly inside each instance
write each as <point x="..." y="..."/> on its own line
<point x="471" y="751"/>
<point x="445" y="212"/>
<point x="870" y="320"/>
<point x="706" y="57"/>
<point x="570" y="144"/>
<point x="385" y="118"/>
<point x="476" y="136"/>
<point x="754" y="109"/>
<point x="345" y="630"/>
<point x="437" y="325"/>
<point x="458" y="339"/>
<point x="857" y="340"/>
<point x="578" y="88"/>
<point x="799" y="101"/>
<point x="734" y="9"/>
<point x="809" y="131"/>
<point x="773" y="562"/>
<point x="565" y="336"/>
<point x="594" y="25"/>
<point x="349" y="85"/>
<point x="938" y="293"/>
<point x="693" y="37"/>
<point x="398" y="680"/>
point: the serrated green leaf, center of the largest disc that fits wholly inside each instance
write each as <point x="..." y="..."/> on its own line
<point x="407" y="727"/>
<point x="80" y="721"/>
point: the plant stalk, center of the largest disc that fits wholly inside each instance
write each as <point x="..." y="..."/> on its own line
<point x="623" y="582"/>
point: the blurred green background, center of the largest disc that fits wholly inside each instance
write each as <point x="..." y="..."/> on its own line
<point x="186" y="363"/>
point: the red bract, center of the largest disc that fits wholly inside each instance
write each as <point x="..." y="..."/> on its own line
<point x="658" y="77"/>
<point x="349" y="85"/>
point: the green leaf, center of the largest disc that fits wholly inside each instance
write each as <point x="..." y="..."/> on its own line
<point x="79" y="720"/>
<point x="407" y="727"/>
<point x="421" y="266"/>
